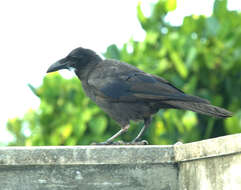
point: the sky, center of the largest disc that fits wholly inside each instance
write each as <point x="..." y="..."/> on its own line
<point x="36" y="33"/>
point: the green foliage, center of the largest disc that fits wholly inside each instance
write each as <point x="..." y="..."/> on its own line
<point x="202" y="57"/>
<point x="65" y="116"/>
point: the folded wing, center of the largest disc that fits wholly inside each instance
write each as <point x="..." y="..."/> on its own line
<point x="139" y="86"/>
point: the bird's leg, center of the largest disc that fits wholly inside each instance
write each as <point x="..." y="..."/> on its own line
<point x="147" y="122"/>
<point x="111" y="139"/>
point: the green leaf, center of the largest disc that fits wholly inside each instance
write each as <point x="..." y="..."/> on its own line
<point x="98" y="125"/>
<point x="181" y="68"/>
<point x="212" y="26"/>
<point x="142" y="19"/>
<point x="151" y="37"/>
<point x="33" y="89"/>
<point x="220" y="8"/>
<point x="112" y="52"/>
<point x="233" y="124"/>
<point x="171" y="5"/>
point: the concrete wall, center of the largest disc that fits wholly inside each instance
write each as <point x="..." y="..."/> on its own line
<point x="210" y="164"/>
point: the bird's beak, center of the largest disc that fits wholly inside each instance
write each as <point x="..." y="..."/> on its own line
<point x="61" y="64"/>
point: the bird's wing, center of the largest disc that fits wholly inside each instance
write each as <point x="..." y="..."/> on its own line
<point x="136" y="86"/>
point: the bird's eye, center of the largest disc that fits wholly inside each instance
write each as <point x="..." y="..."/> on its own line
<point x="73" y="65"/>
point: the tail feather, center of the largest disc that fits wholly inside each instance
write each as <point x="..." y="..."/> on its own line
<point x="191" y="98"/>
<point x="202" y="108"/>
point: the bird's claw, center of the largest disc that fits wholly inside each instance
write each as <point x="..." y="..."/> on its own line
<point x="143" y="142"/>
<point x="101" y="143"/>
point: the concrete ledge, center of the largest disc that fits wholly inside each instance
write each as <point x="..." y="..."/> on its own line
<point x="220" y="146"/>
<point x="208" y="164"/>
<point x="85" y="155"/>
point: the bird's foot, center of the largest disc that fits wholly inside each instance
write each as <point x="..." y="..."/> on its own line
<point x="143" y="142"/>
<point x="101" y="143"/>
<point x="178" y="143"/>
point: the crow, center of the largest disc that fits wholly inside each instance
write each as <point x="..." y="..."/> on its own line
<point x="127" y="93"/>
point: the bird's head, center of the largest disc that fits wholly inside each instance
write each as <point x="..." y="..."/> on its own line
<point x="78" y="59"/>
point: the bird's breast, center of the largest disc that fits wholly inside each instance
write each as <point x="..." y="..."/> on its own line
<point x="89" y="91"/>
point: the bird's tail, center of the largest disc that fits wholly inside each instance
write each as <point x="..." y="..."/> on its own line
<point x="202" y="108"/>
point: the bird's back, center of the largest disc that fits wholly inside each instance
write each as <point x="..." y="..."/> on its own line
<point x="112" y="68"/>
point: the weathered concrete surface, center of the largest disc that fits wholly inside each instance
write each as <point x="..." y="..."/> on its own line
<point x="88" y="167"/>
<point x="89" y="177"/>
<point x="210" y="164"/>
<point x="220" y="146"/>
<point x="221" y="173"/>
<point x="82" y="155"/>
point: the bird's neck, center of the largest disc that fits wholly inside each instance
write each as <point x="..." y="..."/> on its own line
<point x="84" y="72"/>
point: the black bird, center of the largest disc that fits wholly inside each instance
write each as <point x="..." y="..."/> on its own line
<point x="127" y="93"/>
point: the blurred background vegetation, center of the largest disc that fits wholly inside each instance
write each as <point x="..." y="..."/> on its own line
<point x="202" y="57"/>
